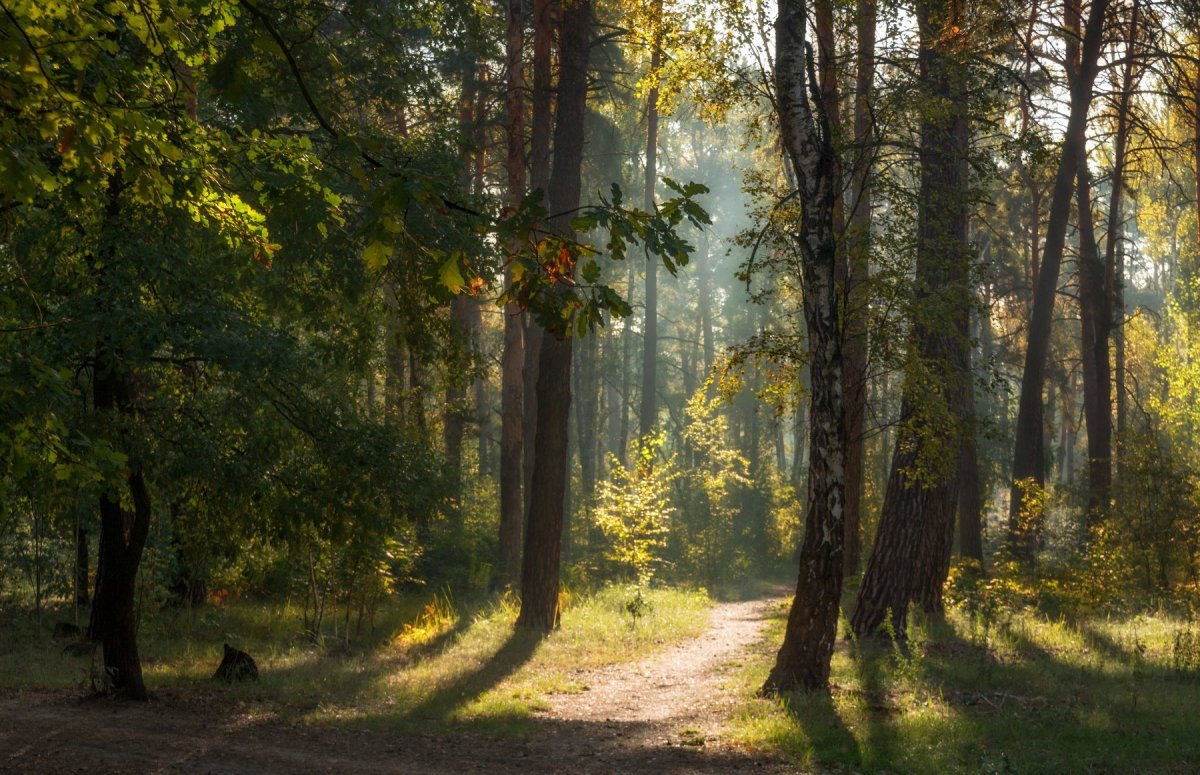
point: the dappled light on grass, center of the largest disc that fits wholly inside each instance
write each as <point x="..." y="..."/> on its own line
<point x="431" y="661"/>
<point x="1027" y="694"/>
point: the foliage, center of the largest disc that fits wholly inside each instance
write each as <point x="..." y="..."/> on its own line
<point x="634" y="509"/>
<point x="707" y="542"/>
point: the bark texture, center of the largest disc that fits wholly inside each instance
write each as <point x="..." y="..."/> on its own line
<point x="857" y="273"/>
<point x="543" y="534"/>
<point x="1095" y="315"/>
<point x="911" y="554"/>
<point x="541" y="125"/>
<point x="512" y="357"/>
<point x="113" y="621"/>
<point x="803" y="658"/>
<point x="649" y="412"/>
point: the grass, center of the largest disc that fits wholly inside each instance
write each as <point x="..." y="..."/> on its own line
<point x="1026" y="695"/>
<point x="430" y="663"/>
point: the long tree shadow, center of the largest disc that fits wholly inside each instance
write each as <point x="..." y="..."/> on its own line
<point x="465" y="689"/>
<point x="878" y="702"/>
<point x="1043" y="707"/>
<point x="816" y="715"/>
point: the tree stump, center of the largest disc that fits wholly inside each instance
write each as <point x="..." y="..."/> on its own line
<point x="236" y="666"/>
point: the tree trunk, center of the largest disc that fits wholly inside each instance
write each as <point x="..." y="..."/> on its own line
<point x="416" y="389"/>
<point x="1094" y="314"/>
<point x="454" y="413"/>
<point x="113" y="621"/>
<point x="1025" y="458"/>
<point x="857" y="273"/>
<point x="543" y="535"/>
<point x="970" y="501"/>
<point x="649" y="413"/>
<point x="803" y="658"/>
<point x="587" y="414"/>
<point x="513" y="356"/>
<point x="911" y="554"/>
<point x="704" y="292"/>
<point x="541" y="115"/>
<point x="539" y="177"/>
<point x="81" y="566"/>
<point x="622" y="440"/>
<point x="1114" y="248"/>
<point x="1119" y="344"/>
<point x="113" y="617"/>
<point x="1025" y="103"/>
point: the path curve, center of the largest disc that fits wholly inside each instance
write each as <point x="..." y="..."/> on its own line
<point x="666" y="713"/>
<point x="657" y="716"/>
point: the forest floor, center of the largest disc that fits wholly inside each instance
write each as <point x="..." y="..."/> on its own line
<point x="663" y="713"/>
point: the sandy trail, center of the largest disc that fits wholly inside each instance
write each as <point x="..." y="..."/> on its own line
<point x="660" y="715"/>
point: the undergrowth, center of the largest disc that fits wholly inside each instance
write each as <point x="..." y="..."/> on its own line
<point x="430" y="661"/>
<point x="1000" y="685"/>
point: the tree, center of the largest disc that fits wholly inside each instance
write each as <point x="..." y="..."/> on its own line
<point x="543" y="528"/>
<point x="1026" y="472"/>
<point x="856" y="275"/>
<point x="803" y="658"/>
<point x="649" y="414"/>
<point x="513" y="355"/>
<point x="911" y="553"/>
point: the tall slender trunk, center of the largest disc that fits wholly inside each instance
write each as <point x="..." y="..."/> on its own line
<point x="1023" y="538"/>
<point x="803" y="658"/>
<point x="82" y="598"/>
<point x="541" y="124"/>
<point x="1196" y="146"/>
<point x="649" y="413"/>
<point x="543" y="534"/>
<point x="622" y="440"/>
<point x="1114" y="247"/>
<point x="454" y="410"/>
<point x="857" y="273"/>
<point x="704" y="301"/>
<point x="1025" y="104"/>
<point x="1094" y="316"/>
<point x="416" y="389"/>
<point x="1119" y="344"/>
<point x="113" y="619"/>
<point x="911" y="554"/>
<point x="512" y="358"/>
<point x="970" y="499"/>
<point x="614" y="375"/>
<point x="481" y="414"/>
<point x="587" y="412"/>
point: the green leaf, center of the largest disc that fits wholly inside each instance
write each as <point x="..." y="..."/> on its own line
<point x="376" y="255"/>
<point x="451" y="275"/>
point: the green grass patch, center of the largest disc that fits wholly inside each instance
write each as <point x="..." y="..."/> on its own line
<point x="1026" y="695"/>
<point x="428" y="662"/>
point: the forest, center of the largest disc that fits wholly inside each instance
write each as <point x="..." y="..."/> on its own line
<point x="600" y="386"/>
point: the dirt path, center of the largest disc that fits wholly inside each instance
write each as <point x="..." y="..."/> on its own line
<point x="661" y="715"/>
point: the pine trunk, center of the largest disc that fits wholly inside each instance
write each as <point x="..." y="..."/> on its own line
<point x="512" y="357"/>
<point x="649" y="411"/>
<point x="1094" y="314"/>
<point x="543" y="535"/>
<point x="1027" y="440"/>
<point x="857" y="273"/>
<point x="82" y="598"/>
